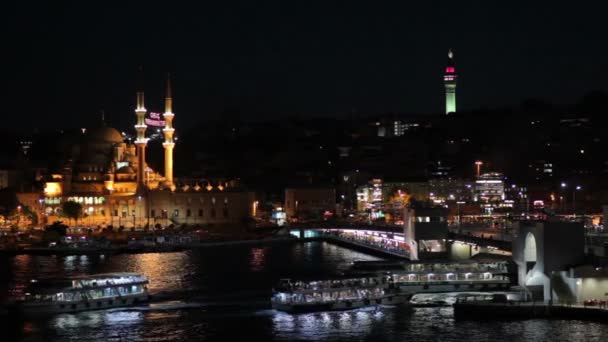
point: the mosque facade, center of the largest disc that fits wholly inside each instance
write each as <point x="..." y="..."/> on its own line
<point x="115" y="186"/>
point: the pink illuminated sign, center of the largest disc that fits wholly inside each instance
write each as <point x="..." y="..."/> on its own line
<point x="450" y="69"/>
<point x="155" y="120"/>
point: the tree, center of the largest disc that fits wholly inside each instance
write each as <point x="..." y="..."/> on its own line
<point x="72" y="210"/>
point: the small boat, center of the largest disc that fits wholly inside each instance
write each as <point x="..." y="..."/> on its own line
<point x="94" y="292"/>
<point x="335" y="294"/>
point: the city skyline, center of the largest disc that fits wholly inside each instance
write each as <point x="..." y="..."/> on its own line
<point x="266" y="62"/>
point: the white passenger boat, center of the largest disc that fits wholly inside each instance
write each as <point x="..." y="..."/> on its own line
<point x="100" y="291"/>
<point x="335" y="294"/>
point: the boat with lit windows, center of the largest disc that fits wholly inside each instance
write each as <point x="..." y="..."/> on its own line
<point x="433" y="277"/>
<point x="94" y="292"/>
<point x="335" y="294"/>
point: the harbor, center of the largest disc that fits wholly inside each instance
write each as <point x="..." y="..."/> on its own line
<point x="229" y="286"/>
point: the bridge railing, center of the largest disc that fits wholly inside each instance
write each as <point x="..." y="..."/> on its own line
<point x="385" y="247"/>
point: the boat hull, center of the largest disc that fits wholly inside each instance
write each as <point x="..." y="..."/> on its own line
<point x="341" y="305"/>
<point x="41" y="308"/>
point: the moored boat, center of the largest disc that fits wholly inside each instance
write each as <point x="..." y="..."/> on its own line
<point x="335" y="294"/>
<point x="94" y="292"/>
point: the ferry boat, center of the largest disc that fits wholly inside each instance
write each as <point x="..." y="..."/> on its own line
<point x="335" y="294"/>
<point x="451" y="277"/>
<point x="94" y="292"/>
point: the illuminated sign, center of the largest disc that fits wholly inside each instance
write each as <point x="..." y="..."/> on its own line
<point x="155" y="120"/>
<point x="450" y="70"/>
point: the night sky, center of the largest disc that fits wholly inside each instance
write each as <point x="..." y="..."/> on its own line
<point x="259" y="60"/>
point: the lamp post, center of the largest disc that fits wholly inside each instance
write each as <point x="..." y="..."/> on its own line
<point x="458" y="203"/>
<point x="41" y="210"/>
<point x="563" y="186"/>
<point x="478" y="165"/>
<point x="138" y="210"/>
<point x="578" y="187"/>
<point x="19" y="216"/>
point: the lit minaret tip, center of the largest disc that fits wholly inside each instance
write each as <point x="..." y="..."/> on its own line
<point x="449" y="79"/>
<point x="140" y="127"/>
<point x="168" y="132"/>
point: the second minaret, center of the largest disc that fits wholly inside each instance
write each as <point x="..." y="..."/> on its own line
<point x="168" y="132"/>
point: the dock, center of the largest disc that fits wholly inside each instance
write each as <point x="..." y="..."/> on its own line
<point x="527" y="310"/>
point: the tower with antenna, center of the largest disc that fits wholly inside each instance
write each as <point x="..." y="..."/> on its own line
<point x="449" y="80"/>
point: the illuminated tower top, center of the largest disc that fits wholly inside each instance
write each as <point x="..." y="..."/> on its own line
<point x="449" y="79"/>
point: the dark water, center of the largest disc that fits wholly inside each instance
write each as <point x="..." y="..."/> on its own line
<point x="197" y="280"/>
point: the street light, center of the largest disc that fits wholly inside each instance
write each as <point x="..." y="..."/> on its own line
<point x="478" y="164"/>
<point x="19" y="216"/>
<point x="563" y="186"/>
<point x="578" y="187"/>
<point x="458" y="203"/>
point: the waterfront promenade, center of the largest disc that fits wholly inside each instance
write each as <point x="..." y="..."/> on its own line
<point x="527" y="310"/>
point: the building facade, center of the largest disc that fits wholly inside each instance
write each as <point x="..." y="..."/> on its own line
<point x="310" y="202"/>
<point x="115" y="186"/>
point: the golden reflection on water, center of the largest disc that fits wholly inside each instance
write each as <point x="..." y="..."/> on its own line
<point x="165" y="270"/>
<point x="258" y="257"/>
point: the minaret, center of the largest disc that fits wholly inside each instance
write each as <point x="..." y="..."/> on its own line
<point x="141" y="141"/>
<point x="168" y="131"/>
<point x="449" y="80"/>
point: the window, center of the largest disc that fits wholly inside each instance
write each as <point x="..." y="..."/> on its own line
<point x="152" y="213"/>
<point x="200" y="212"/>
<point x="213" y="213"/>
<point x="176" y="213"/>
<point x="225" y="212"/>
<point x="188" y="213"/>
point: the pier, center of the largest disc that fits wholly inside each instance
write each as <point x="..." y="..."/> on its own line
<point x="527" y="310"/>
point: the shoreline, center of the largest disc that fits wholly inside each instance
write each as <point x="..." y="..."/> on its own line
<point x="525" y="311"/>
<point x="169" y="248"/>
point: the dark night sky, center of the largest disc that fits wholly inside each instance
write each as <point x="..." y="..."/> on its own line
<point x="256" y="59"/>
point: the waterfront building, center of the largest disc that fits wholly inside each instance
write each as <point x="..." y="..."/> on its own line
<point x="115" y="186"/>
<point x="304" y="203"/>
<point x="542" y="248"/>
<point x="489" y="191"/>
<point x="379" y="196"/>
<point x="584" y="284"/>
<point x="426" y="230"/>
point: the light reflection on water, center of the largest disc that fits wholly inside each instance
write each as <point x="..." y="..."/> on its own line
<point x="249" y="272"/>
<point x="324" y="325"/>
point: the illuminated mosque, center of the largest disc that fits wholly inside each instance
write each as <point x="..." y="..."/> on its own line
<point x="115" y="186"/>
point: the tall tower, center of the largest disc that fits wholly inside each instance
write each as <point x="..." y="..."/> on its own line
<point x="449" y="79"/>
<point x="168" y="132"/>
<point x="141" y="141"/>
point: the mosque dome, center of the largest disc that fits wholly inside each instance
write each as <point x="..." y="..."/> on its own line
<point x="104" y="134"/>
<point x="126" y="170"/>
